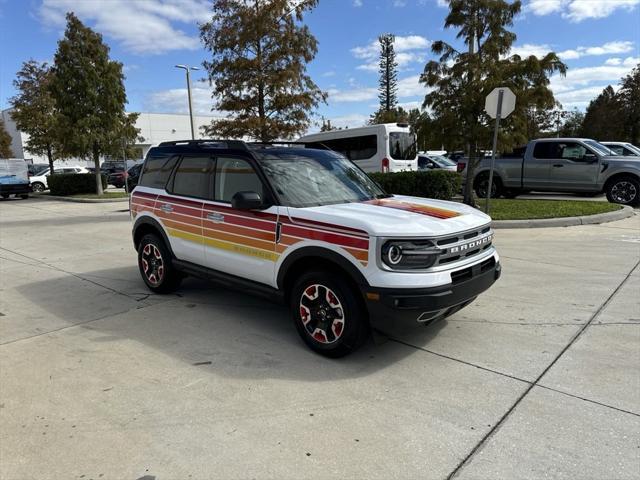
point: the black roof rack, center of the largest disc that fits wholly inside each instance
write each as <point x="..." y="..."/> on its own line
<point x="230" y="144"/>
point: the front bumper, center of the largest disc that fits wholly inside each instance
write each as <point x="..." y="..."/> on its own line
<point x="415" y="306"/>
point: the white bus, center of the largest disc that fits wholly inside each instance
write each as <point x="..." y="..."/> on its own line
<point x="389" y="147"/>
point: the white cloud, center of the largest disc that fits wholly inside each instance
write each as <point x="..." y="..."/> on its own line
<point x="353" y="95"/>
<point x="141" y="26"/>
<point x="399" y="3"/>
<point x="357" y="3"/>
<point x="175" y="101"/>
<point x="330" y="73"/>
<point x="579" y="10"/>
<point x="354" y="120"/>
<point x="408" y="51"/>
<point x="609" y="48"/>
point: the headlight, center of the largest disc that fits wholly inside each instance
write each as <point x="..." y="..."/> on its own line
<point x="409" y="254"/>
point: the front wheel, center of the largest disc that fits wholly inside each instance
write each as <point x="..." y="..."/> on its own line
<point x="482" y="183"/>
<point x="38" y="187"/>
<point x="624" y="190"/>
<point x="328" y="315"/>
<point x="156" y="268"/>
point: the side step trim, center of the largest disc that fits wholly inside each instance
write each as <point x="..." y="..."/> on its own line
<point x="227" y="280"/>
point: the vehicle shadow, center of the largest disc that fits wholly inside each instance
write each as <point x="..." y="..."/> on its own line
<point x="213" y="328"/>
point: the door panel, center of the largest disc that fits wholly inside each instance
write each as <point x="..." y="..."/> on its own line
<point x="239" y="242"/>
<point x="572" y="170"/>
<point x="182" y="220"/>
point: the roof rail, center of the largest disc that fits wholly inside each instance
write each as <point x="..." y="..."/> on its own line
<point x="230" y="144"/>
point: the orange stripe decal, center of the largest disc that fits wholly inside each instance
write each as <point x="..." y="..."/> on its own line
<point x="415" y="208"/>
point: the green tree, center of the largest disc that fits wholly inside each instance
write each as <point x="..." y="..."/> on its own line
<point x="603" y="119"/>
<point x="388" y="83"/>
<point x="460" y="80"/>
<point x="629" y="98"/>
<point x="34" y="109"/>
<point x="573" y="122"/>
<point x="326" y="126"/>
<point x="88" y="90"/>
<point x="260" y="50"/>
<point x="5" y="142"/>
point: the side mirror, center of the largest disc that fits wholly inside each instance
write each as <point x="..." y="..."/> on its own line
<point x="246" y="201"/>
<point x="590" y="157"/>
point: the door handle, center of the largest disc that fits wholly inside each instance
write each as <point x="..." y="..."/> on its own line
<point x="165" y="207"/>
<point x="558" y="165"/>
<point x="215" y="217"/>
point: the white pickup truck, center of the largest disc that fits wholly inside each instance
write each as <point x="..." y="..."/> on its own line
<point x="578" y="165"/>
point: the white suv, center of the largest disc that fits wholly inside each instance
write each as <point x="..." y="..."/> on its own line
<point x="39" y="182"/>
<point x="309" y="228"/>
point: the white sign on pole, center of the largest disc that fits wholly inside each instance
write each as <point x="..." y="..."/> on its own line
<point x="508" y="102"/>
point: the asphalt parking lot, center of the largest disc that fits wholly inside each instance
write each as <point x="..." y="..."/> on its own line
<point x="537" y="379"/>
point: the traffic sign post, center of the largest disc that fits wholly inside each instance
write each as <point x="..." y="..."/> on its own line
<point x="500" y="103"/>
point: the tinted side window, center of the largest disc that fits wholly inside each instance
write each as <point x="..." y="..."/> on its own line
<point x="354" y="148"/>
<point x="156" y="170"/>
<point x="235" y="175"/>
<point x="618" y="150"/>
<point x="193" y="178"/>
<point x="545" y="150"/>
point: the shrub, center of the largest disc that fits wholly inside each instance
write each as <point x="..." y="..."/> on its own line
<point x="63" y="184"/>
<point x="440" y="184"/>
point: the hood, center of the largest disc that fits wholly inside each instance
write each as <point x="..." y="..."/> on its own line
<point x="398" y="216"/>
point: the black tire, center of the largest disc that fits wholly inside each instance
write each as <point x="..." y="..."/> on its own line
<point x="24" y="196"/>
<point x="336" y="321"/>
<point x="38" y="187"/>
<point x="156" y="268"/>
<point x="481" y="183"/>
<point x="624" y="190"/>
<point x="5" y="195"/>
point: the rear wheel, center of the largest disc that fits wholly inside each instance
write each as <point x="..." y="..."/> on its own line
<point x="328" y="315"/>
<point x="38" y="187"/>
<point x="156" y="268"/>
<point x="624" y="190"/>
<point x="481" y="185"/>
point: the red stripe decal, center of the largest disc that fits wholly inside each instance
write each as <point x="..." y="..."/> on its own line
<point x="335" y="238"/>
<point x="415" y="208"/>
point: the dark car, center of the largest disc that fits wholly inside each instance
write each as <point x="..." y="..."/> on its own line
<point x="109" y="167"/>
<point x="117" y="179"/>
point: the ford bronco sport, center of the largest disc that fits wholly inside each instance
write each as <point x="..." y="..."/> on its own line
<point x="307" y="227"/>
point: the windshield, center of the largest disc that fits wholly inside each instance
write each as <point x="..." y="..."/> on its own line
<point x="599" y="148"/>
<point x="443" y="161"/>
<point x="402" y="146"/>
<point x="317" y="177"/>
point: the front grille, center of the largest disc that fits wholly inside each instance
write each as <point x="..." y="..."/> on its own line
<point x="462" y="246"/>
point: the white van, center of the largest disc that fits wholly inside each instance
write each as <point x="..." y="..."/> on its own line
<point x="389" y="147"/>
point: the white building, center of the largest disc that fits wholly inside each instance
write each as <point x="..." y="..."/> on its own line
<point x="154" y="128"/>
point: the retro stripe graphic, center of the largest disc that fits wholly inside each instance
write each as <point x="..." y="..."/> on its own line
<point x="415" y="208"/>
<point x="251" y="234"/>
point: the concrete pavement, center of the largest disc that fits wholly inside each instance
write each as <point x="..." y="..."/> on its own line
<point x="100" y="379"/>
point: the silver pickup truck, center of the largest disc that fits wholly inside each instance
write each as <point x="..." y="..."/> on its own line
<point x="578" y="165"/>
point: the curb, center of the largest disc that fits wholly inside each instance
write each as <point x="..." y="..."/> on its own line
<point x="624" y="212"/>
<point x="82" y="200"/>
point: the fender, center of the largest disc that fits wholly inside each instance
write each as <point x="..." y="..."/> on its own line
<point x="147" y="220"/>
<point x="330" y="255"/>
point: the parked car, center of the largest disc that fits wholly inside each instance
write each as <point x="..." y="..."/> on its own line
<point x="578" y="165"/>
<point x="133" y="175"/>
<point x="623" y="149"/>
<point x="309" y="228"/>
<point x="436" y="162"/>
<point x="108" y="167"/>
<point x="39" y="182"/>
<point x="14" y="178"/>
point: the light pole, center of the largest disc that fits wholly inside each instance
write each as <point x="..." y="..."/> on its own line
<point x="188" y="69"/>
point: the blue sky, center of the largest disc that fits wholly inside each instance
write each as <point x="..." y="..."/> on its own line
<point x="598" y="39"/>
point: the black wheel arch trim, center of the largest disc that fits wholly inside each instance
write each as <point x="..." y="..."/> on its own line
<point x="149" y="221"/>
<point x="324" y="253"/>
<point x="618" y="174"/>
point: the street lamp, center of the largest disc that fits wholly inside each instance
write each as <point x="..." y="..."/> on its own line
<point x="188" y="69"/>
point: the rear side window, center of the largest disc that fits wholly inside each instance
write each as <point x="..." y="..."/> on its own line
<point x="544" y="150"/>
<point x="194" y="177"/>
<point x="156" y="170"/>
<point x="354" y="148"/>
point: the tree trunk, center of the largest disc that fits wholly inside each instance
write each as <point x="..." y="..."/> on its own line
<point x="50" y="158"/>
<point x="96" y="164"/>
